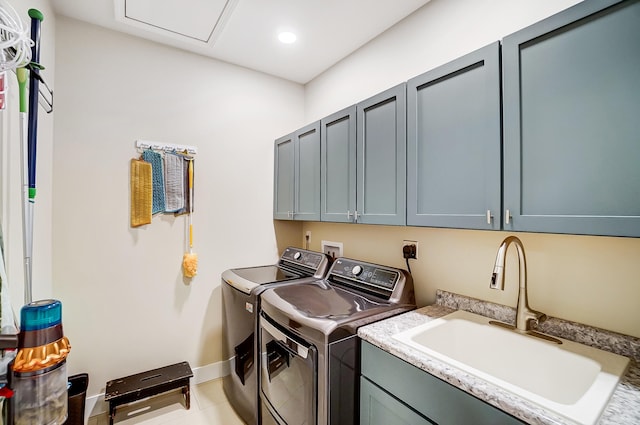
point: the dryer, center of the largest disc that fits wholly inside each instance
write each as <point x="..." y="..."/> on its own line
<point x="241" y="289"/>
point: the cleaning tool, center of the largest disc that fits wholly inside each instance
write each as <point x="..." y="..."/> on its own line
<point x="190" y="259"/>
<point x="39" y="371"/>
<point x="141" y="192"/>
<point x="28" y="133"/>
<point x="27" y="211"/>
<point x="36" y="19"/>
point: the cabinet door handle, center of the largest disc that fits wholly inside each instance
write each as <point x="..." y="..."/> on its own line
<point x="489" y="216"/>
<point x="349" y="214"/>
<point x="355" y="216"/>
<point x="507" y="216"/>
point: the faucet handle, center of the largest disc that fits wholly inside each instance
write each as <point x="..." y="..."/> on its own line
<point x="535" y="319"/>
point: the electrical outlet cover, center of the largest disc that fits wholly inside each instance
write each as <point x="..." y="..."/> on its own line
<point x="408" y="242"/>
<point x="333" y="249"/>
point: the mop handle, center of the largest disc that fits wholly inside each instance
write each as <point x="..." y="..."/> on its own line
<point x="190" y="203"/>
<point x="32" y="129"/>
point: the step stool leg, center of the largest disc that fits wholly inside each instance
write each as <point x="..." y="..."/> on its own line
<point x="112" y="413"/>
<point x="187" y="395"/>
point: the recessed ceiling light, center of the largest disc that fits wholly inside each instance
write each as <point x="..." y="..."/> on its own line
<point x="287" y="37"/>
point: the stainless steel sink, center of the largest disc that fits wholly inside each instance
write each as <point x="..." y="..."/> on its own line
<point x="571" y="379"/>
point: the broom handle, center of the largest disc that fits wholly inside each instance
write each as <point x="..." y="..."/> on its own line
<point x="36" y="19"/>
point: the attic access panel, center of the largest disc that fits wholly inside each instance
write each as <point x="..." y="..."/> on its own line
<point x="195" y="19"/>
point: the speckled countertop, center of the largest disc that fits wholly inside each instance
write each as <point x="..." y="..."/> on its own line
<point x="623" y="408"/>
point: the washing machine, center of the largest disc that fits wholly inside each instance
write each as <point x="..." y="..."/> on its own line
<point x="241" y="289"/>
<point x="310" y="351"/>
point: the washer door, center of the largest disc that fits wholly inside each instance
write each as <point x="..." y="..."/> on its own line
<point x="288" y="375"/>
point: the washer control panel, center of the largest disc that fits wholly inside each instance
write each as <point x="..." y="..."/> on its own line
<point x="366" y="274"/>
<point x="302" y="257"/>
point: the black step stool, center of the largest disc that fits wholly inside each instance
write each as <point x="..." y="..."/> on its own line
<point x="146" y="384"/>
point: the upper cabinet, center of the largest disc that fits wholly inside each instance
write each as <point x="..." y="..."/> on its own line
<point x="363" y="151"/>
<point x="338" y="166"/>
<point x="381" y="150"/>
<point x="454" y="143"/>
<point x="297" y="175"/>
<point x="556" y="149"/>
<point x="283" y="178"/>
<point x="571" y="123"/>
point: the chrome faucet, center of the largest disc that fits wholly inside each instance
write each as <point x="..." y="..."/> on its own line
<point x="526" y="318"/>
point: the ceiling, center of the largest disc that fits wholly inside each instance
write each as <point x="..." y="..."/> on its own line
<point x="245" y="32"/>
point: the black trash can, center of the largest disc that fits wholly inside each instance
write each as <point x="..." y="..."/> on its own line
<point x="76" y="396"/>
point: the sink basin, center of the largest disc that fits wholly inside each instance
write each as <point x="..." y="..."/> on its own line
<point x="570" y="379"/>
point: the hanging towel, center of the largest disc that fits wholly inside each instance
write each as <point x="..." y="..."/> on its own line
<point x="155" y="159"/>
<point x="141" y="192"/>
<point x="187" y="194"/>
<point x="174" y="182"/>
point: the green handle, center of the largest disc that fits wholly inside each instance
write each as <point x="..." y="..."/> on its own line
<point x="23" y="76"/>
<point x="36" y="14"/>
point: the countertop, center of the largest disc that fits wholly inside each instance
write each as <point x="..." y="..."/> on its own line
<point x="623" y="407"/>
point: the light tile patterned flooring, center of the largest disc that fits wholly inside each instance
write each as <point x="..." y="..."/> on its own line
<point x="209" y="406"/>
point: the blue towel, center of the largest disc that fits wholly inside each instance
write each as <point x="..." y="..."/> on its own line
<point x="155" y="159"/>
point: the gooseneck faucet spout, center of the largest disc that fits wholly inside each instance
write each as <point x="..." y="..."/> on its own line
<point x="526" y="318"/>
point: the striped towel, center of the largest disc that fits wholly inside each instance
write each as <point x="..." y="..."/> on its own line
<point x="174" y="182"/>
<point x="155" y="159"/>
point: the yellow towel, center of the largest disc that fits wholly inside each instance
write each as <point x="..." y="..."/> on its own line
<point x="141" y="192"/>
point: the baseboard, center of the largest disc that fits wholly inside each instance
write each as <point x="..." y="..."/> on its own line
<point x="95" y="405"/>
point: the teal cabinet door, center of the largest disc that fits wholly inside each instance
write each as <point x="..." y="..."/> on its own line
<point x="377" y="407"/>
<point x="307" y="173"/>
<point x="454" y="143"/>
<point x="296" y="194"/>
<point x="571" y="122"/>
<point x="283" y="178"/>
<point x="338" y="166"/>
<point x="381" y="158"/>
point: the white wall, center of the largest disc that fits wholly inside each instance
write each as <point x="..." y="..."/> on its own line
<point x="588" y="279"/>
<point x="11" y="177"/>
<point x="127" y="307"/>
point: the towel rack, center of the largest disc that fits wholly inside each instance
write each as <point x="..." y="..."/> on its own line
<point x="166" y="147"/>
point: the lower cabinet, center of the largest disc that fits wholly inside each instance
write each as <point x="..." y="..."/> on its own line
<point x="395" y="392"/>
<point x="380" y="408"/>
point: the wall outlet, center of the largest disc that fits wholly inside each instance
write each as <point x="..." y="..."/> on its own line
<point x="410" y="249"/>
<point x="333" y="249"/>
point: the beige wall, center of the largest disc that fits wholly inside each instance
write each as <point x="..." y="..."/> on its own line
<point x="126" y="305"/>
<point x="588" y="279"/>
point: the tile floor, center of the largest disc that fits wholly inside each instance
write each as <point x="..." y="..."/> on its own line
<point x="209" y="406"/>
